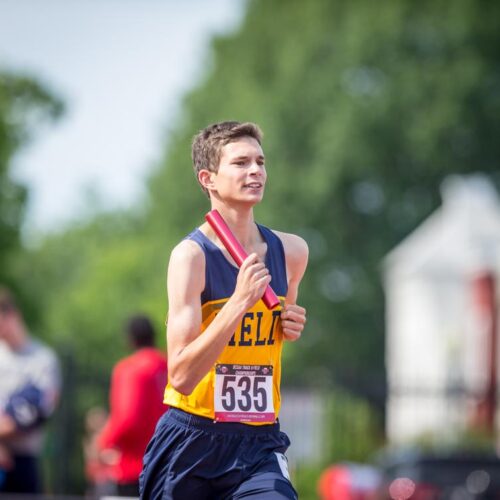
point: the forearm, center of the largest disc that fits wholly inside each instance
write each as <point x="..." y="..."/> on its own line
<point x="191" y="362"/>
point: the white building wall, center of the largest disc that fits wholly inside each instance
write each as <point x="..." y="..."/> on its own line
<point x="435" y="341"/>
<point x="416" y="357"/>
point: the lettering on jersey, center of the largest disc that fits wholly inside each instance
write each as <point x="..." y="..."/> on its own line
<point x="276" y="315"/>
<point x="258" y="340"/>
<point x="250" y="323"/>
<point x="246" y="329"/>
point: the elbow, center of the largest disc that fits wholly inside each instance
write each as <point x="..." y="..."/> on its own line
<point x="181" y="384"/>
<point x="184" y="389"/>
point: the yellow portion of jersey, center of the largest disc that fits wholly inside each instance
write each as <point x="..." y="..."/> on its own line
<point x="257" y="341"/>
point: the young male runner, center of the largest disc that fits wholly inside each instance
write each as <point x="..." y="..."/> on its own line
<point x="221" y="437"/>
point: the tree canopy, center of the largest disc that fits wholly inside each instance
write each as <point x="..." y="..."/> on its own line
<point x="25" y="106"/>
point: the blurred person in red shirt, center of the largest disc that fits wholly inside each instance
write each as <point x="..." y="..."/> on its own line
<point x="136" y="404"/>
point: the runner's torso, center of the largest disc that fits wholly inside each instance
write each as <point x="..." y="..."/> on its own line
<point x="244" y="384"/>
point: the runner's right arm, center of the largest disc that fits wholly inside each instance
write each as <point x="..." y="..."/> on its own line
<point x="191" y="355"/>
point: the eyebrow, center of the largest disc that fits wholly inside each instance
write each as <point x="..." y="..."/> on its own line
<point x="245" y="157"/>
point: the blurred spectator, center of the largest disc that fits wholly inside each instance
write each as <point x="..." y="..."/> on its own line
<point x="136" y="404"/>
<point x="29" y="389"/>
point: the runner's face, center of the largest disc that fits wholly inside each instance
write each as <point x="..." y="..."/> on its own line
<point x="242" y="172"/>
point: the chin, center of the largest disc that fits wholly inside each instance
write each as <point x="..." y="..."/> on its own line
<point x="249" y="200"/>
<point x="257" y="197"/>
<point x="253" y="201"/>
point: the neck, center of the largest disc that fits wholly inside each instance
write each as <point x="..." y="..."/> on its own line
<point x="240" y="220"/>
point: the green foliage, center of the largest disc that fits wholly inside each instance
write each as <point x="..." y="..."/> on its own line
<point x="305" y="481"/>
<point x="24" y="107"/>
<point x="98" y="274"/>
<point x="353" y="428"/>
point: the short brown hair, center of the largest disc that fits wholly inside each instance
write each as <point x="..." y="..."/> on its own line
<point x="7" y="301"/>
<point x="208" y="143"/>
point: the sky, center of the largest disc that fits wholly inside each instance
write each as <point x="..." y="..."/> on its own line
<point x="121" y="67"/>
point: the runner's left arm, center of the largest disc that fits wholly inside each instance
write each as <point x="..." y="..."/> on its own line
<point x="293" y="316"/>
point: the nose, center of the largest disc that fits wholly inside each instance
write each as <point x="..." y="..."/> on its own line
<point x="256" y="169"/>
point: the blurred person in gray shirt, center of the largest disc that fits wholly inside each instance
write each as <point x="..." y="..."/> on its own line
<point x="29" y="389"/>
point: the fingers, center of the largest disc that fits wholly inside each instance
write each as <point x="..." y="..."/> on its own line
<point x="252" y="280"/>
<point x="255" y="269"/>
<point x="252" y="259"/>
<point x="259" y="272"/>
<point x="291" y="330"/>
<point x="260" y="281"/>
<point x="293" y="319"/>
<point x="293" y="312"/>
<point x="291" y="335"/>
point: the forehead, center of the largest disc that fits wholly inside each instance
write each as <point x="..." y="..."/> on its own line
<point x="243" y="146"/>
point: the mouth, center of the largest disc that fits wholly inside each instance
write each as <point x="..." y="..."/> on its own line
<point x="254" y="185"/>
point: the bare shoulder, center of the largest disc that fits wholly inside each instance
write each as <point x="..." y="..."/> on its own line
<point x="295" y="246"/>
<point x="187" y="252"/>
<point x="296" y="253"/>
<point x="186" y="269"/>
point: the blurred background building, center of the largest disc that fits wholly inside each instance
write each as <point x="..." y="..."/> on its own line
<point x="441" y="286"/>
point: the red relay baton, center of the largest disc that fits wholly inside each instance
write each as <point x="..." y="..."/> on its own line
<point x="237" y="252"/>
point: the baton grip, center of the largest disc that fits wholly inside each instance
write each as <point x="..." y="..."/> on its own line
<point x="237" y="252"/>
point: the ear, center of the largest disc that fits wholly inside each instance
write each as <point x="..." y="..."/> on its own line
<point x="206" y="179"/>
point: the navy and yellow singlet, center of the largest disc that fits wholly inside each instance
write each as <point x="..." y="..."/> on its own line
<point x="244" y="384"/>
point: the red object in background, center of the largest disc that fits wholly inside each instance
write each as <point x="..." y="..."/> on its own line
<point x="334" y="484"/>
<point x="236" y="251"/>
<point x="484" y="290"/>
<point x="348" y="482"/>
<point x="136" y="404"/>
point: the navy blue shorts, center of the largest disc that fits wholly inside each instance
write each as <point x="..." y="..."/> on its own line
<point x="191" y="457"/>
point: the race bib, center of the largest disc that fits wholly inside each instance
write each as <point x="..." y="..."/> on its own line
<point x="244" y="393"/>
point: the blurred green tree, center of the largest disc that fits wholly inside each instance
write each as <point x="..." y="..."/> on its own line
<point x="25" y="106"/>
